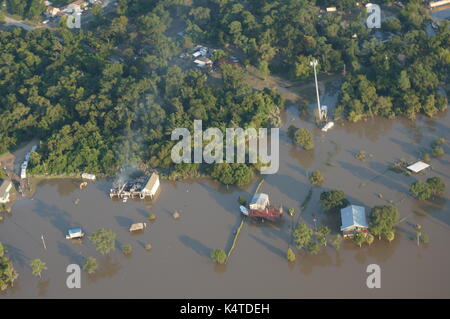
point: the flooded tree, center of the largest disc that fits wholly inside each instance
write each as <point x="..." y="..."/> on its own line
<point x="421" y="190"/>
<point x="313" y="247"/>
<point x="316" y="178"/>
<point x="91" y="265"/>
<point x="369" y="238"/>
<point x="291" y="211"/>
<point x="7" y="272"/>
<point x="304" y="138"/>
<point x="383" y="220"/>
<point x="390" y="236"/>
<point x="424" y="190"/>
<point x="336" y="242"/>
<point x="359" y="238"/>
<point x="437" y="185"/>
<point x="219" y="256"/>
<point x="104" y="240"/>
<point x="127" y="249"/>
<point x="322" y="233"/>
<point x="290" y="255"/>
<point x="333" y="199"/>
<point x="302" y="235"/>
<point x="37" y="267"/>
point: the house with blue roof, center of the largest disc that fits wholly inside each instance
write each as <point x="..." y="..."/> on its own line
<point x="353" y="220"/>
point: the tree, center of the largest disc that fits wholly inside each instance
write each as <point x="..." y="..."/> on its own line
<point x="304" y="138"/>
<point x="316" y="178"/>
<point x="390" y="236"/>
<point x="383" y="220"/>
<point x="127" y="249"/>
<point x="302" y="235"/>
<point x="219" y="256"/>
<point x="291" y="211"/>
<point x="322" y="233"/>
<point x="91" y="265"/>
<point x="290" y="255"/>
<point x="421" y="190"/>
<point x="336" y="242"/>
<point x="104" y="240"/>
<point x="436" y="184"/>
<point x="333" y="199"/>
<point x="437" y="151"/>
<point x="369" y="238"/>
<point x="7" y="272"/>
<point x="359" y="238"/>
<point x="313" y="247"/>
<point x="37" y="267"/>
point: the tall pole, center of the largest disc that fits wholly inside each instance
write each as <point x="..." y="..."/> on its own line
<point x="43" y="242"/>
<point x="314" y="64"/>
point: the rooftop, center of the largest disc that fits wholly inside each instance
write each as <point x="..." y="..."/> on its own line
<point x="353" y="216"/>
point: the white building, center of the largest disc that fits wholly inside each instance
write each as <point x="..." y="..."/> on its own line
<point x="259" y="201"/>
<point x="151" y="187"/>
<point x="5" y="188"/>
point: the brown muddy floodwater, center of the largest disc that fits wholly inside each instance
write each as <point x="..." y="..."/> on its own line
<point x="179" y="265"/>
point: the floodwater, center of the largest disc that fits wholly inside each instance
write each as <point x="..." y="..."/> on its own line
<point x="179" y="265"/>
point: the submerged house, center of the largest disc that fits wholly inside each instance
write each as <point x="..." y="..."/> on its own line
<point x="5" y="188"/>
<point x="353" y="220"/>
<point x="259" y="201"/>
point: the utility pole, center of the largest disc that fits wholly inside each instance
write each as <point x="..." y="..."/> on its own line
<point x="314" y="63"/>
<point x="43" y="242"/>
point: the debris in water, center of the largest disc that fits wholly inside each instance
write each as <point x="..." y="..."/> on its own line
<point x="83" y="185"/>
<point x="176" y="215"/>
<point x="77" y="201"/>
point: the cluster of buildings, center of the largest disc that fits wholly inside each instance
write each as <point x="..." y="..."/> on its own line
<point x="75" y="6"/>
<point x="140" y="188"/>
<point x="201" y="56"/>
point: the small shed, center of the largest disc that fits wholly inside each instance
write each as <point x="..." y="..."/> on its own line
<point x="418" y="167"/>
<point x="137" y="227"/>
<point x="353" y="219"/>
<point x="88" y="176"/>
<point x="5" y="187"/>
<point x="259" y="201"/>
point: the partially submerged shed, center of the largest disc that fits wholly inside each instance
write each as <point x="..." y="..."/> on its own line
<point x="137" y="227"/>
<point x="418" y="167"/>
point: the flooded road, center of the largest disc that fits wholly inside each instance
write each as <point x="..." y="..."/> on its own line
<point x="179" y="265"/>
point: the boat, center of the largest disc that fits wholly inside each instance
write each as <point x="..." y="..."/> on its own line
<point x="75" y="233"/>
<point x="327" y="126"/>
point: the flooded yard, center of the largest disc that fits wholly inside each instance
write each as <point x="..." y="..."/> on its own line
<point x="179" y="265"/>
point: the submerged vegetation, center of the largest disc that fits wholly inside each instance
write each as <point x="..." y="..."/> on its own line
<point x="7" y="272"/>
